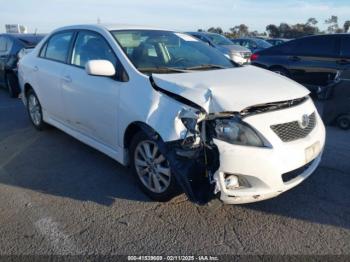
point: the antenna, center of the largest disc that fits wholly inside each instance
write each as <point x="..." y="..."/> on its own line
<point x="98" y="20"/>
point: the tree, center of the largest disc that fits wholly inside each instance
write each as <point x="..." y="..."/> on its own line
<point x="273" y="31"/>
<point x="332" y="23"/>
<point x="312" y="21"/>
<point x="285" y="30"/>
<point x="346" y="26"/>
<point x="217" y="30"/>
<point x="239" y="31"/>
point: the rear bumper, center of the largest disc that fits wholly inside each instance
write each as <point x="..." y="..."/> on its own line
<point x="240" y="60"/>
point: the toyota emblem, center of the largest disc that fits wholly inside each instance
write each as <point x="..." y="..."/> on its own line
<point x="305" y="121"/>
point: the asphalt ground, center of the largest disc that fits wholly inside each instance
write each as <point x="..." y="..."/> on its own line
<point x="59" y="196"/>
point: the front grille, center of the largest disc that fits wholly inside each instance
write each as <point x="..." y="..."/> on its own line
<point x="292" y="131"/>
<point x="295" y="173"/>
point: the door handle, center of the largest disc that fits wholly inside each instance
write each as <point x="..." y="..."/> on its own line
<point x="36" y="69"/>
<point x="294" y="58"/>
<point x="67" y="79"/>
<point x="343" y="62"/>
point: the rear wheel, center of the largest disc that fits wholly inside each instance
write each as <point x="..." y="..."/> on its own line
<point x="152" y="169"/>
<point x="343" y="122"/>
<point x="34" y="110"/>
<point x="12" y="85"/>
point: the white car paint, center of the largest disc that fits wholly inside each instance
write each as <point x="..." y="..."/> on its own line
<point x="231" y="89"/>
<point x="98" y="110"/>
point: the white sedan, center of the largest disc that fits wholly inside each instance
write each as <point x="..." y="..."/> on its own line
<point x="177" y="111"/>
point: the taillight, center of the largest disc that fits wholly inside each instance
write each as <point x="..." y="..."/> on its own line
<point x="254" y="57"/>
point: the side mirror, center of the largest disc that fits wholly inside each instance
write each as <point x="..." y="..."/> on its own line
<point x="100" y="68"/>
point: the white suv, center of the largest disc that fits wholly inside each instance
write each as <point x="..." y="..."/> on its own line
<point x="176" y="110"/>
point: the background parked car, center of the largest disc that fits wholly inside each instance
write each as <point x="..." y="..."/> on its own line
<point x="253" y="44"/>
<point x="276" y="41"/>
<point x="236" y="53"/>
<point x="336" y="96"/>
<point x="312" y="61"/>
<point x="10" y="47"/>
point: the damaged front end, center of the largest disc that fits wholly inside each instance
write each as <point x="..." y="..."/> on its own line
<point x="195" y="158"/>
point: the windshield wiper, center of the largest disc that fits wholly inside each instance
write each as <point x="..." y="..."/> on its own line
<point x="163" y="69"/>
<point x="206" y="66"/>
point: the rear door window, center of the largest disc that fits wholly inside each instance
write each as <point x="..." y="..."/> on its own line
<point x="57" y="47"/>
<point x="323" y="46"/>
<point x="345" y="47"/>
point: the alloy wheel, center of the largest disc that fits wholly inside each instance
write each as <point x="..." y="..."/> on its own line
<point x="151" y="166"/>
<point x="34" y="109"/>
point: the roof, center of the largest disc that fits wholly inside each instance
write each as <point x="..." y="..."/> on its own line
<point x="111" y="27"/>
<point x="24" y="36"/>
<point x="202" y="33"/>
<point x="28" y="40"/>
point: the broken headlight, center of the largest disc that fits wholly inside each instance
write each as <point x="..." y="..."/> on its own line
<point x="236" y="132"/>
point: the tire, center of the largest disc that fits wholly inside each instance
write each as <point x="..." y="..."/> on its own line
<point x="343" y="122"/>
<point x="281" y="71"/>
<point x="35" y="111"/>
<point x="12" y="85"/>
<point x="146" y="170"/>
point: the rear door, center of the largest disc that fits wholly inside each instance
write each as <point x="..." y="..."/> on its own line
<point x="48" y="71"/>
<point x="314" y="60"/>
<point x="344" y="60"/>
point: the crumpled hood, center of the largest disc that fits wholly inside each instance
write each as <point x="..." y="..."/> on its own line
<point x="232" y="49"/>
<point x="231" y="90"/>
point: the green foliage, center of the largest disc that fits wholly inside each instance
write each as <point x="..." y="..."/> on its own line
<point x="285" y="30"/>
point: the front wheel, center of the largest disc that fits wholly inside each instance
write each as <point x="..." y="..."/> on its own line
<point x="152" y="169"/>
<point x="34" y="110"/>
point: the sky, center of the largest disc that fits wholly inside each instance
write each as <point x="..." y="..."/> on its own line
<point x="181" y="15"/>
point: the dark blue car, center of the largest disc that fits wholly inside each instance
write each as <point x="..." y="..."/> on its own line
<point x="253" y="44"/>
<point x="10" y="46"/>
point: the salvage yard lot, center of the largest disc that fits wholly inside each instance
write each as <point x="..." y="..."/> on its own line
<point x="59" y="196"/>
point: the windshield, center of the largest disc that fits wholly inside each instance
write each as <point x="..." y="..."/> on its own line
<point x="219" y="39"/>
<point x="153" y="51"/>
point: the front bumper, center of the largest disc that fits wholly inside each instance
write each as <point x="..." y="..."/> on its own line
<point x="263" y="168"/>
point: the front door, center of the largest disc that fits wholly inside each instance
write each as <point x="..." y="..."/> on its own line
<point x="91" y="102"/>
<point x="314" y="60"/>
